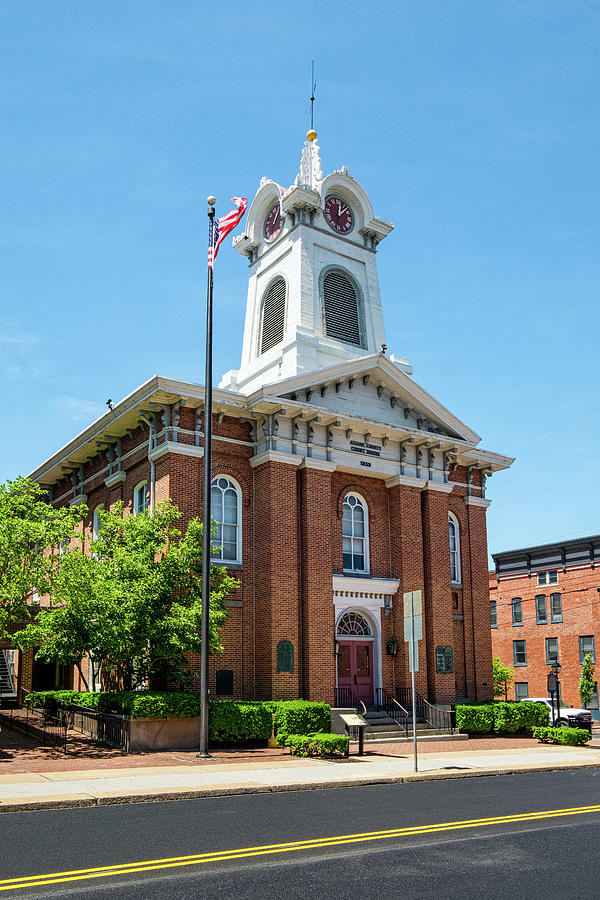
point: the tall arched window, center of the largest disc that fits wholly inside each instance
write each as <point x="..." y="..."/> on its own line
<point x="355" y="534"/>
<point x="140" y="498"/>
<point x="340" y="302"/>
<point x="226" y="509"/>
<point x="273" y="315"/>
<point x="96" y="522"/>
<point x="454" y="534"/>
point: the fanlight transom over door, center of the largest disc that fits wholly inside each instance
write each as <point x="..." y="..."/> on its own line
<point x="355" y="655"/>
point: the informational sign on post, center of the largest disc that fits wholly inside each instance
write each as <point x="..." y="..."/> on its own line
<point x="413" y="633"/>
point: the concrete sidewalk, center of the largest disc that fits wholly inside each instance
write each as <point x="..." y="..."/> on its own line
<point x="37" y="790"/>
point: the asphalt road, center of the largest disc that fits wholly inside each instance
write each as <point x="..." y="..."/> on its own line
<point x="510" y="836"/>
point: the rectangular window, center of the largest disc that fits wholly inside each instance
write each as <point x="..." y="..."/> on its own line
<point x="549" y="577"/>
<point x="517" y="611"/>
<point x="521" y="690"/>
<point x="493" y="614"/>
<point x="541" y="616"/>
<point x="556" y="607"/>
<point x="586" y="645"/>
<point x="551" y="651"/>
<point x="519" y="653"/>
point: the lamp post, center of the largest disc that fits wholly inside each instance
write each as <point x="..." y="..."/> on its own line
<point x="556" y="667"/>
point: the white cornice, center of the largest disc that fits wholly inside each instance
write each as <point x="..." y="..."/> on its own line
<point x="176" y="449"/>
<point x="275" y="456"/>
<point x="442" y="487"/>
<point x="116" y="478"/>
<point x="364" y="364"/>
<point x="323" y="465"/>
<point x="477" y="501"/>
<point x="405" y="481"/>
<point x="385" y="586"/>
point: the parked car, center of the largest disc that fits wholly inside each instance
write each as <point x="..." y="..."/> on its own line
<point x="568" y="715"/>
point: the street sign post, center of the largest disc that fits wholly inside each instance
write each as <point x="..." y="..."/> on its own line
<point x="413" y="633"/>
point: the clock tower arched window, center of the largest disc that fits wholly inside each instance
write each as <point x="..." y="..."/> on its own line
<point x="273" y="315"/>
<point x="340" y="304"/>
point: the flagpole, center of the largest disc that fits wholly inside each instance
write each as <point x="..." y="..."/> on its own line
<point x="206" y="517"/>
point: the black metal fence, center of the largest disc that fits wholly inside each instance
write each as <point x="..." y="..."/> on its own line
<point x="345" y="698"/>
<point x="48" y="730"/>
<point x="106" y="728"/>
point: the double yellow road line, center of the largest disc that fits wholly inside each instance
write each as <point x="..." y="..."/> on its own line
<point x="268" y="849"/>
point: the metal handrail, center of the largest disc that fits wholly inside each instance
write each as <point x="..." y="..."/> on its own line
<point x="438" y="718"/>
<point x="346" y="697"/>
<point x="442" y="719"/>
<point x="392" y="708"/>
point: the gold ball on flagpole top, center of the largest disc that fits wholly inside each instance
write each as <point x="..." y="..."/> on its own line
<point x="311" y="135"/>
<point x="211" y="200"/>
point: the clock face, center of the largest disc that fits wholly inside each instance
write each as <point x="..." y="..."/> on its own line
<point x="273" y="222"/>
<point x="338" y="215"/>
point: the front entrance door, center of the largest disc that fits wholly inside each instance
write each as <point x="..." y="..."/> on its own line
<point x="355" y="668"/>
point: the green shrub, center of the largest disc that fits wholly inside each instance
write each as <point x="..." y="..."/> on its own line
<point x="512" y="717"/>
<point x="300" y="717"/>
<point x="232" y="722"/>
<point x="572" y="736"/>
<point x="501" y="717"/>
<point x="475" y="719"/>
<point x="325" y="745"/>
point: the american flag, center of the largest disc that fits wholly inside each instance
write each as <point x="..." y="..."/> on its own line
<point x="218" y="231"/>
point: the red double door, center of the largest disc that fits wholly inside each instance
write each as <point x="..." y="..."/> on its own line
<point x="355" y="668"/>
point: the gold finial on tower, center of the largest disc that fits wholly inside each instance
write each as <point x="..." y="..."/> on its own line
<point x="311" y="135"/>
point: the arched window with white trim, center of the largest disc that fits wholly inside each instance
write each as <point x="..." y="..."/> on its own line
<point x="226" y="511"/>
<point x="341" y="307"/>
<point x="140" y="498"/>
<point x="96" y="524"/>
<point x="355" y="534"/>
<point x="273" y="315"/>
<point x="454" y="538"/>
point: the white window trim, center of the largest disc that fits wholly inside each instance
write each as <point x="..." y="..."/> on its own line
<point x="367" y="553"/>
<point x="458" y="580"/>
<point x="238" y="550"/>
<point x="96" y="521"/>
<point x="136" y="509"/>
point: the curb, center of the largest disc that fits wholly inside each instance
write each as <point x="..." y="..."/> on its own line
<point x="160" y="796"/>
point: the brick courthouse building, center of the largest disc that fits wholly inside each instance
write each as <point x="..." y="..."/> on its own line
<point x="338" y="482"/>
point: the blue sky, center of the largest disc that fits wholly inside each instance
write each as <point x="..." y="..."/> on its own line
<point x="473" y="125"/>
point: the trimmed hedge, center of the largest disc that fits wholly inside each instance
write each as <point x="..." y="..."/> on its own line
<point x="475" y="719"/>
<point x="572" y="736"/>
<point x="300" y="717"/>
<point x="512" y="717"/>
<point x="325" y="745"/>
<point x="501" y="717"/>
<point x="230" y="721"/>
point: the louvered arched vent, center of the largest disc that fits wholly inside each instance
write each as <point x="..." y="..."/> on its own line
<point x="273" y="315"/>
<point x="341" y="308"/>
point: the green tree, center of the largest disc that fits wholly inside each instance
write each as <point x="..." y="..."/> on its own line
<point x="502" y="675"/>
<point x="586" y="682"/>
<point x="134" y="602"/>
<point x="31" y="531"/>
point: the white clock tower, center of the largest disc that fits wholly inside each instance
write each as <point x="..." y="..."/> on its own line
<point x="313" y="292"/>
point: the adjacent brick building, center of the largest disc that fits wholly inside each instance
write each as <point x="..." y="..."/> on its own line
<point x="338" y="482"/>
<point x="545" y="605"/>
